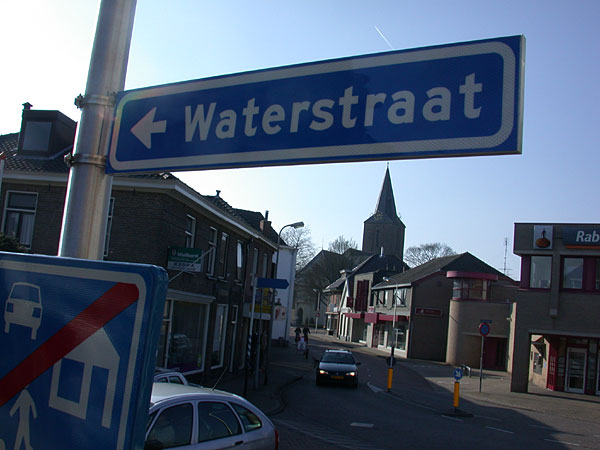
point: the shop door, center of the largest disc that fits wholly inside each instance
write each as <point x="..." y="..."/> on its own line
<point x="576" y="361"/>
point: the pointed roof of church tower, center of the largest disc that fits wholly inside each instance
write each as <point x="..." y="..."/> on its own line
<point x="386" y="205"/>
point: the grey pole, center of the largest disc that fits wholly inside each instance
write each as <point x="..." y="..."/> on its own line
<point x="89" y="188"/>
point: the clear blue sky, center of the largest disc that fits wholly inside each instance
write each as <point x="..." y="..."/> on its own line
<point x="470" y="203"/>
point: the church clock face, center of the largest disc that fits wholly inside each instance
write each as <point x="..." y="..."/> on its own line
<point x="379" y="215"/>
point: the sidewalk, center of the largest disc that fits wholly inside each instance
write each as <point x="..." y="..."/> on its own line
<point x="427" y="382"/>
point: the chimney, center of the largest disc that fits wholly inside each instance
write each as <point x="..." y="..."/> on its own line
<point x="265" y="224"/>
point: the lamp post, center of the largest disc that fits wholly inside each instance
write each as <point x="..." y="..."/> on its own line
<point x="268" y="355"/>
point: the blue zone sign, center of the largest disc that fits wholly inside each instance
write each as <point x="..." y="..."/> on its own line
<point x="450" y="100"/>
<point x="78" y="343"/>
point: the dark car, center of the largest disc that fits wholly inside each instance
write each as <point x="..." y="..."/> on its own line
<point x="338" y="366"/>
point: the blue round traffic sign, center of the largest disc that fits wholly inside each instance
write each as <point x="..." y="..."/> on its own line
<point x="484" y="328"/>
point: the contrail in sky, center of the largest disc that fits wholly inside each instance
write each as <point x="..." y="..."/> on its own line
<point x="384" y="38"/>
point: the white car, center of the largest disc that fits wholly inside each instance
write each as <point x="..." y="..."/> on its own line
<point x="195" y="418"/>
<point x="23" y="307"/>
<point x="169" y="376"/>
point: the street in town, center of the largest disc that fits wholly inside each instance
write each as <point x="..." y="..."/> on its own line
<point x="418" y="411"/>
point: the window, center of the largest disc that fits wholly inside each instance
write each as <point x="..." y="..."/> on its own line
<point x="212" y="250"/>
<point x="597" y="278"/>
<point x="219" y="336"/>
<point x="255" y="263"/>
<point x="111" y="206"/>
<point x="572" y="275"/>
<point x="173" y="427"/>
<point x="400" y="296"/>
<point x="223" y="252"/>
<point x="215" y="421"/>
<point x="19" y="216"/>
<point x="264" y="265"/>
<point x="249" y="419"/>
<point x="473" y="289"/>
<point x="190" y="231"/>
<point x="187" y="342"/>
<point x="239" y="272"/>
<point x="541" y="267"/>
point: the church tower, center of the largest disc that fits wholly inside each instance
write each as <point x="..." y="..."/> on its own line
<point x="384" y="231"/>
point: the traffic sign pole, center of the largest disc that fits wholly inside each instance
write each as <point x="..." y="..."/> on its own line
<point x="89" y="188"/>
<point x="484" y="330"/>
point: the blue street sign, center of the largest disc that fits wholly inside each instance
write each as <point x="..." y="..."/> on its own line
<point x="458" y="373"/>
<point x="447" y="100"/>
<point x="79" y="341"/>
<point x="273" y="283"/>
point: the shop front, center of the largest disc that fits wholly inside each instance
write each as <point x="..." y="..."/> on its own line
<point x="572" y="364"/>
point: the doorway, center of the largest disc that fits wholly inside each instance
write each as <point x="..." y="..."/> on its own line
<point x="576" y="365"/>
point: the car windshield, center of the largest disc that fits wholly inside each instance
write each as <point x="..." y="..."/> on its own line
<point x="336" y="357"/>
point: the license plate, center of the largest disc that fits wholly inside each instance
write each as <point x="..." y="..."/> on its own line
<point x="337" y="377"/>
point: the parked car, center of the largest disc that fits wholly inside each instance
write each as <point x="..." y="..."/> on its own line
<point x="338" y="366"/>
<point x="169" y="376"/>
<point x="202" y="418"/>
<point x="23" y="307"/>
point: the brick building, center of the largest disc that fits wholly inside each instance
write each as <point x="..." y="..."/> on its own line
<point x="211" y="250"/>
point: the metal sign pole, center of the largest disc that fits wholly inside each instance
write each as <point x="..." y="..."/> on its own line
<point x="89" y="188"/>
<point x="481" y="362"/>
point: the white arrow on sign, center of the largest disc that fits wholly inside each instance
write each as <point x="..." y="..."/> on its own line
<point x="144" y="129"/>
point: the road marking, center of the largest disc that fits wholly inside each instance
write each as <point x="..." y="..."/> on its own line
<point x="563" y="442"/>
<point x="501" y="430"/>
<point x="375" y="388"/>
<point x="453" y="418"/>
<point x="361" y="425"/>
<point x="489" y="418"/>
<point x="328" y="435"/>
<point x="86" y="323"/>
<point x="543" y="428"/>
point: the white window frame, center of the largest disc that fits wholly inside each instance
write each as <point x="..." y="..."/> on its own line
<point x="29" y="239"/>
<point x="212" y="251"/>
<point x="190" y="231"/>
<point x="109" y="219"/>
<point x="223" y="334"/>
<point x="239" y="261"/>
<point x="223" y="255"/>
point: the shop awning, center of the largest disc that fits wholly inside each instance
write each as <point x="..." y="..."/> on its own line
<point x="359" y="315"/>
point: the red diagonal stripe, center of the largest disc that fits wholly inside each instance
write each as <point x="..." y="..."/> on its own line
<point x="87" y="322"/>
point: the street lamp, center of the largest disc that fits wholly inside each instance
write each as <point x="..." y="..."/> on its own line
<point x="286" y="330"/>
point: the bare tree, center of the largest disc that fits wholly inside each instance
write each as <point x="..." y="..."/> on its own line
<point x="417" y="255"/>
<point x="341" y="244"/>
<point x="300" y="239"/>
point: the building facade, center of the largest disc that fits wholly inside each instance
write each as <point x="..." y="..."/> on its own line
<point x="556" y="332"/>
<point x="433" y="312"/>
<point x="211" y="252"/>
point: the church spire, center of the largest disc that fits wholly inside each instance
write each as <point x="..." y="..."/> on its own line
<point x="386" y="206"/>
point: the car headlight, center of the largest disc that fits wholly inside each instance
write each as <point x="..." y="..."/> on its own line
<point x="322" y="372"/>
<point x="351" y="374"/>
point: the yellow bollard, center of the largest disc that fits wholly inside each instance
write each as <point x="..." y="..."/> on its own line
<point x="389" y="383"/>
<point x="456" y="394"/>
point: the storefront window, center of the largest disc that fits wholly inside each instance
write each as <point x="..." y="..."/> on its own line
<point x="572" y="273"/>
<point x="540" y="272"/>
<point x="188" y="336"/>
<point x="400" y="333"/>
